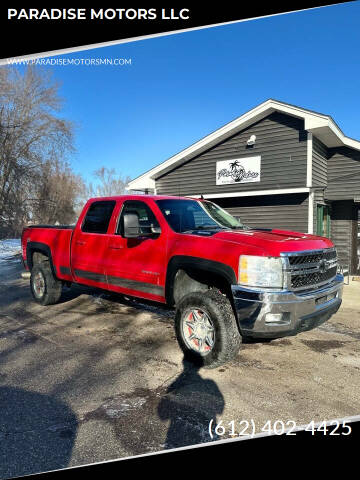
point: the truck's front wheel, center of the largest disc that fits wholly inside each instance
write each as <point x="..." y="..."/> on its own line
<point x="206" y="328"/>
<point x="45" y="288"/>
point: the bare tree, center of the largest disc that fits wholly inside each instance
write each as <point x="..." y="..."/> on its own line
<point x="34" y="142"/>
<point x="107" y="183"/>
<point x="57" y="195"/>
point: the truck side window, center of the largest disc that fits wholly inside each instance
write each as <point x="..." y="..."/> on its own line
<point x="146" y="217"/>
<point x="98" y="217"/>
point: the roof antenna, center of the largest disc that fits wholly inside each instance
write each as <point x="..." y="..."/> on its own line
<point x="201" y="197"/>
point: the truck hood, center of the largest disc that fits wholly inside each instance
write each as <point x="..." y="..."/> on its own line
<point x="274" y="242"/>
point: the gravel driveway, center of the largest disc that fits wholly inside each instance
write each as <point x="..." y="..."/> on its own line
<point x="99" y="377"/>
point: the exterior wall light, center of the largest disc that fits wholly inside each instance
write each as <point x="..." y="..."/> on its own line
<point x="251" y="140"/>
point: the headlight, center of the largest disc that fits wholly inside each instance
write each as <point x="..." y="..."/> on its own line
<point x="257" y="271"/>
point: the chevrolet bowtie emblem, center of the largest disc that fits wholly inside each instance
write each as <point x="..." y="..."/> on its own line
<point x="323" y="266"/>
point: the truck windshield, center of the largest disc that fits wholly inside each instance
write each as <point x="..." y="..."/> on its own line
<point x="188" y="215"/>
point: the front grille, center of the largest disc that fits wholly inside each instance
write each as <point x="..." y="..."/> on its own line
<point x="308" y="270"/>
<point x="312" y="258"/>
<point x="311" y="279"/>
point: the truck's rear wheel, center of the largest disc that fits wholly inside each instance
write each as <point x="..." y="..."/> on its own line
<point x="45" y="288"/>
<point x="206" y="328"/>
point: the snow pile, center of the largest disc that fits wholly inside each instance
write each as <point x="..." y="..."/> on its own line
<point x="9" y="248"/>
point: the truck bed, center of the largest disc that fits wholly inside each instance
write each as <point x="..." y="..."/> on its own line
<point x="58" y="227"/>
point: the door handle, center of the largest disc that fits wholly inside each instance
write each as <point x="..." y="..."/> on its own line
<point x="115" y="247"/>
<point x="78" y="242"/>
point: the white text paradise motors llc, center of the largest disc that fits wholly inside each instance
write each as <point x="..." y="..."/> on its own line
<point x="98" y="14"/>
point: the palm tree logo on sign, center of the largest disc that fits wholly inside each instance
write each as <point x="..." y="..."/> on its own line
<point x="235" y="172"/>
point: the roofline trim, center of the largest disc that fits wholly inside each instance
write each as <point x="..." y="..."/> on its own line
<point x="252" y="193"/>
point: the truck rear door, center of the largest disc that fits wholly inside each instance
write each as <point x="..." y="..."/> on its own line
<point x="89" y="244"/>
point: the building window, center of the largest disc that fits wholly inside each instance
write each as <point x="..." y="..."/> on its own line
<point x="323" y="221"/>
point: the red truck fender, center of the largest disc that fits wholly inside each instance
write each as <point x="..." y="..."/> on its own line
<point x="188" y="263"/>
<point x="33" y="247"/>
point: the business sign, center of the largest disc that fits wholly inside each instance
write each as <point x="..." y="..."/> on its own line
<point x="241" y="170"/>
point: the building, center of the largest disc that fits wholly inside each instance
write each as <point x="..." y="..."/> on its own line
<point x="277" y="166"/>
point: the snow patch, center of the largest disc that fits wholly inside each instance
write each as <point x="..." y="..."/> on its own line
<point x="9" y="248"/>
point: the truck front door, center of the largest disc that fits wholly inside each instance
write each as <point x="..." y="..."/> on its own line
<point x="137" y="265"/>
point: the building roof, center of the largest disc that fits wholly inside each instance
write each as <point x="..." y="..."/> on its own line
<point x="322" y="126"/>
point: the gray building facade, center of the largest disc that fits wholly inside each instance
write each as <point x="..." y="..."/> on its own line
<point x="277" y="166"/>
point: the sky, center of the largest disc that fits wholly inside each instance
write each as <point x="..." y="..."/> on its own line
<point x="182" y="87"/>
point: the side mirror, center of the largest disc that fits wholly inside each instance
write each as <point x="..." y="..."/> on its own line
<point x="131" y="225"/>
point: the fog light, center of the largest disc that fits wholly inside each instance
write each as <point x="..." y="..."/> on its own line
<point x="273" y="317"/>
<point x="279" y="318"/>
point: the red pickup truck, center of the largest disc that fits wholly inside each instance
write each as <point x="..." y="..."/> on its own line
<point x="226" y="280"/>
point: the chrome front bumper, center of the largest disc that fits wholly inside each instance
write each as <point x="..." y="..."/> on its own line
<point x="268" y="314"/>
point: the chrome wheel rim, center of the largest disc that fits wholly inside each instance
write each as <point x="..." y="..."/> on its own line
<point x="39" y="285"/>
<point x="198" y="331"/>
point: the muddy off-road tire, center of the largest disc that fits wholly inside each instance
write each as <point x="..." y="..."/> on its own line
<point x="45" y="288"/>
<point x="206" y="329"/>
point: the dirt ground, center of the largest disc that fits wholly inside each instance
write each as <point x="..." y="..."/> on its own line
<point x="98" y="377"/>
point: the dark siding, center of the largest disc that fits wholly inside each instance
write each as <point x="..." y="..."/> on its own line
<point x="343" y="187"/>
<point x="319" y="159"/>
<point x="343" y="174"/>
<point x="281" y="142"/>
<point x="286" y="212"/>
<point x="319" y="175"/>
<point x="343" y="229"/>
